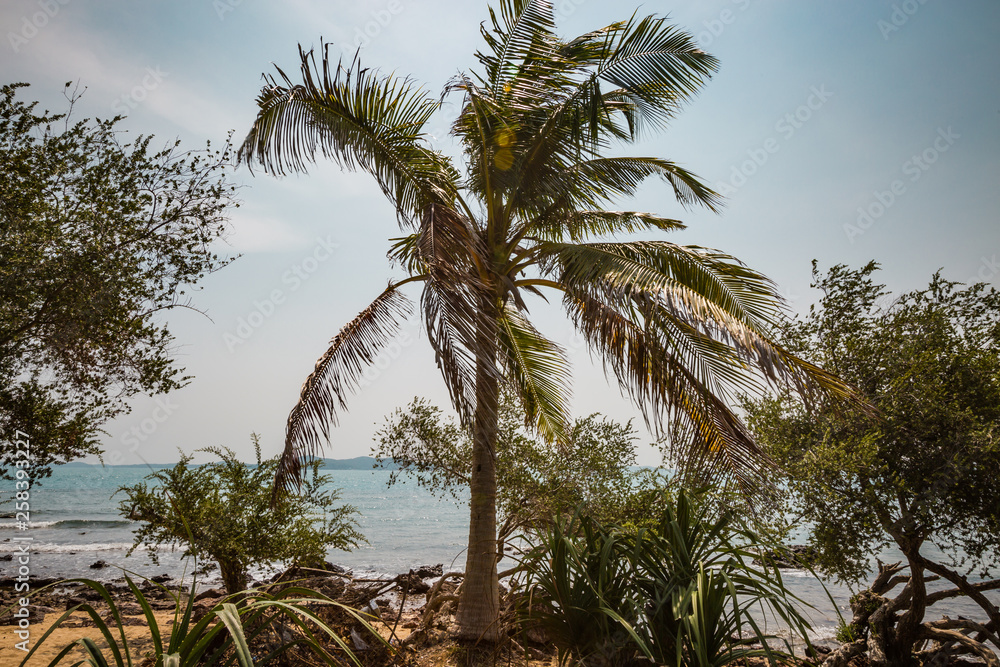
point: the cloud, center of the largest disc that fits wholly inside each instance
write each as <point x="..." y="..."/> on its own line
<point x="138" y="85"/>
<point x="253" y="234"/>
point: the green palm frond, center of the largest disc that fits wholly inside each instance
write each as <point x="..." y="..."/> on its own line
<point x="453" y="320"/>
<point x="516" y="34"/>
<point x="358" y="118"/>
<point x="582" y="225"/>
<point x="539" y="369"/>
<point x="338" y="372"/>
<point x="653" y="67"/>
<point x="656" y="63"/>
<point x="712" y="288"/>
<point x="661" y="380"/>
<point x="605" y="179"/>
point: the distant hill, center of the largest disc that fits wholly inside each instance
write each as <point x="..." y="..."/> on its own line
<point x="357" y="463"/>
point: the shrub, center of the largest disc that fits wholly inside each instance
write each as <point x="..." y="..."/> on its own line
<point x="677" y="593"/>
<point x="223" y="511"/>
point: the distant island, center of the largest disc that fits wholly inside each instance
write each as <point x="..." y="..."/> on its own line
<point x="356" y="463"/>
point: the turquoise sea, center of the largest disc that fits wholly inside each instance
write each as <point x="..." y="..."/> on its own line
<point x="75" y="522"/>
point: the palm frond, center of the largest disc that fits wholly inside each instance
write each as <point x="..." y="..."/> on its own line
<point x="604" y="179"/>
<point x="656" y="62"/>
<point x="666" y="388"/>
<point x="515" y="36"/>
<point x="705" y="296"/>
<point x="538" y="368"/>
<point x="454" y="321"/>
<point x="653" y="67"/>
<point x="358" y="118"/>
<point x="708" y="285"/>
<point x="583" y="225"/>
<point x="338" y="372"/>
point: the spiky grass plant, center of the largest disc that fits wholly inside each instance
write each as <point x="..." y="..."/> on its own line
<point x="679" y="593"/>
<point x="224" y="636"/>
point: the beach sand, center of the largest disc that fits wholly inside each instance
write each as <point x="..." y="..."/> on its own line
<point x="76" y="627"/>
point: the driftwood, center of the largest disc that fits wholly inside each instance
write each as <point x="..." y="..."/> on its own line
<point x="435" y="598"/>
<point x="890" y="630"/>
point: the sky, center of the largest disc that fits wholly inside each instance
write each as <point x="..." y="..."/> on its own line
<point x="842" y="132"/>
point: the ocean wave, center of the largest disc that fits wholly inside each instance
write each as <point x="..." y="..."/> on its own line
<point x="68" y="524"/>
<point x="28" y="526"/>
<point x="41" y="547"/>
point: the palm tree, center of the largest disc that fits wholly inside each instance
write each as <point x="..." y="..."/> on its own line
<point x="681" y="327"/>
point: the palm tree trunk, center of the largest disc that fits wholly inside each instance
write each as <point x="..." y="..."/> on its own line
<point x="479" y="606"/>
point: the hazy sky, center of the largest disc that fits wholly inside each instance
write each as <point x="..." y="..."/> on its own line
<point x="842" y="131"/>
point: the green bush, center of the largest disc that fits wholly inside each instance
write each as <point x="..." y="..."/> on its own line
<point x="678" y="593"/>
<point x="594" y="468"/>
<point x="226" y="511"/>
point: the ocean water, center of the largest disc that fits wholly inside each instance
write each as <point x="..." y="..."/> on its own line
<point x="74" y="522"/>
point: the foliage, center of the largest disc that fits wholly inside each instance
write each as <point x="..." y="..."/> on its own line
<point x="925" y="469"/>
<point x="224" y="511"/>
<point x="228" y="634"/>
<point x="529" y="214"/>
<point x="594" y="471"/>
<point x="678" y="593"/>
<point x="96" y="237"/>
<point x="923" y="472"/>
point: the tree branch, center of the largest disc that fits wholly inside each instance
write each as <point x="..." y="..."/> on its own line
<point x="968" y="589"/>
<point x="942" y="635"/>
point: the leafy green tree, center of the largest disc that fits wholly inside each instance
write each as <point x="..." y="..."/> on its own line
<point x="922" y="473"/>
<point x="96" y="238"/>
<point x="594" y="471"/>
<point x="541" y="126"/>
<point x="223" y="511"/>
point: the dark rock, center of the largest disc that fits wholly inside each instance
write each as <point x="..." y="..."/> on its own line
<point x="211" y="593"/>
<point x="161" y="605"/>
<point x="429" y="571"/>
<point x="98" y="565"/>
<point x="338" y="569"/>
<point x="34" y="616"/>
<point x="161" y="578"/>
<point x="796" y="556"/>
<point x="7" y="557"/>
<point x="411" y="583"/>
